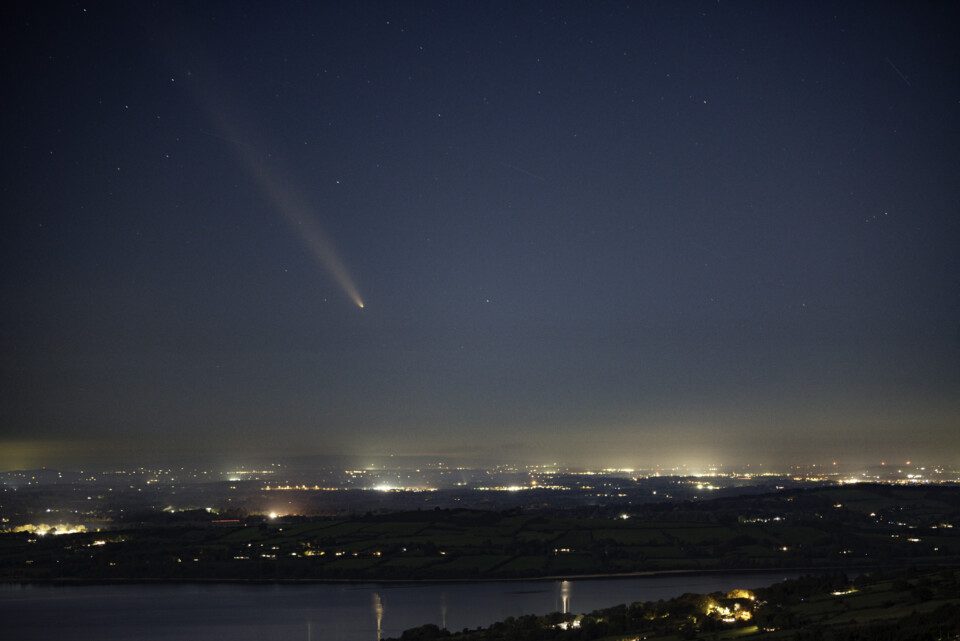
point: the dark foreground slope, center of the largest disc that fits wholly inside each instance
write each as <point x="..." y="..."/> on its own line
<point x="901" y="605"/>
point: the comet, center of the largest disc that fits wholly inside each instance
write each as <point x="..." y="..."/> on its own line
<point x="292" y="207"/>
<point x="288" y="201"/>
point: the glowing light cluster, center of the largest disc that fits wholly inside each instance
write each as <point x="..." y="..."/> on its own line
<point x="300" y="488"/>
<point x="734" y="610"/>
<point x="519" y="488"/>
<point x="386" y="487"/>
<point x="43" y="529"/>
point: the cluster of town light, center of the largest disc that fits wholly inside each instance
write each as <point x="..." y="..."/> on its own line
<point x="736" y="609"/>
<point x="43" y="529"/>
<point x="573" y="624"/>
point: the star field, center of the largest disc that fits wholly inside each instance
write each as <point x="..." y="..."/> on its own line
<point x="611" y="232"/>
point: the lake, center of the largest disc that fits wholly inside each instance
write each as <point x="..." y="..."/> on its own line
<point x="315" y="612"/>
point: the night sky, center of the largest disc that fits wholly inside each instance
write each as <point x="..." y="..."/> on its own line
<point x="594" y="233"/>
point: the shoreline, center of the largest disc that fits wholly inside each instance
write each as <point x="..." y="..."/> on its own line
<point x="551" y="578"/>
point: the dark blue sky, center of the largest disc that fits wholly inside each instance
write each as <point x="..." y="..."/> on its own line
<point x="593" y="232"/>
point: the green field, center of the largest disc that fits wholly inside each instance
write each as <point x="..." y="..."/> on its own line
<point x="798" y="529"/>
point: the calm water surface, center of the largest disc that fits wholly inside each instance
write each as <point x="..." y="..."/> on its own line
<point x="318" y="612"/>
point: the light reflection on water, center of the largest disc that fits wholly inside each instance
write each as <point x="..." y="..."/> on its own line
<point x="328" y="612"/>
<point x="378" y="613"/>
